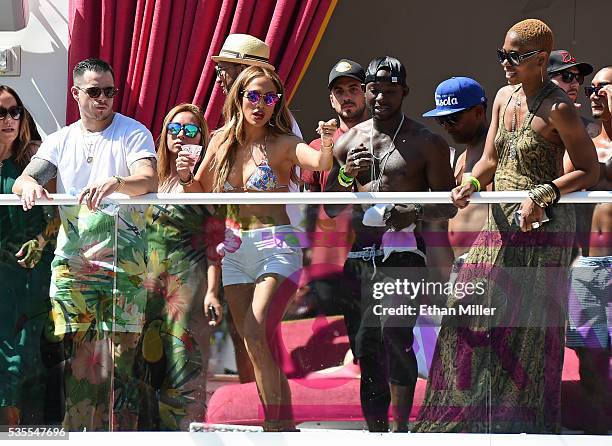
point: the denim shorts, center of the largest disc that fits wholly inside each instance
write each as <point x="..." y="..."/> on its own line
<point x="270" y="250"/>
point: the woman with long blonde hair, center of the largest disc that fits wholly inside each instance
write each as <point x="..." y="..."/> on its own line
<point x="256" y="151"/>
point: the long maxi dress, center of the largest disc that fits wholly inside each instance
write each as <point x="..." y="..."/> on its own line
<point x="24" y="306"/>
<point x="176" y="341"/>
<point x="502" y="373"/>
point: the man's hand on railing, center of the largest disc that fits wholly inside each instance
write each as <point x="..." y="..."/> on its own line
<point x="31" y="192"/>
<point x="93" y="194"/>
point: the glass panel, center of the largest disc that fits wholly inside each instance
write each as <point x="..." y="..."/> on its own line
<point x="507" y="361"/>
<point x="173" y="352"/>
<point x="454" y="342"/>
<point x="56" y="362"/>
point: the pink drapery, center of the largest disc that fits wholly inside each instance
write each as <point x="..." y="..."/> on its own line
<point x="160" y="50"/>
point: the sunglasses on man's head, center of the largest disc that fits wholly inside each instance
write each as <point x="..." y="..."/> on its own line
<point x="568" y="77"/>
<point x="190" y="130"/>
<point x="594" y="90"/>
<point x="254" y="97"/>
<point x="95" y="92"/>
<point x="452" y="119"/>
<point x="514" y="58"/>
<point x="14" y="112"/>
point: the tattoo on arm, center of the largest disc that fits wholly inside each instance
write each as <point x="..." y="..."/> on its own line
<point x="143" y="162"/>
<point x="41" y="170"/>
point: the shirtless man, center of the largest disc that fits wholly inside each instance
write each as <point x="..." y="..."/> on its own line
<point x="590" y="304"/>
<point x="389" y="152"/>
<point x="461" y="108"/>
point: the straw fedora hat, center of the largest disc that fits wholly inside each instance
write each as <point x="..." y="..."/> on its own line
<point x="244" y="49"/>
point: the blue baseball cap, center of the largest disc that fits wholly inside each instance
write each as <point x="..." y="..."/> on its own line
<point x="455" y="95"/>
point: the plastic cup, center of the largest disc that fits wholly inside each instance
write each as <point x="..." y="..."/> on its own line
<point x="195" y="151"/>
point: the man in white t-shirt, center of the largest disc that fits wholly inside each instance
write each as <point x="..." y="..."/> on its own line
<point x="97" y="296"/>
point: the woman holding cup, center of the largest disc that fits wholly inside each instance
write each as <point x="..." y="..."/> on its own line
<point x="182" y="282"/>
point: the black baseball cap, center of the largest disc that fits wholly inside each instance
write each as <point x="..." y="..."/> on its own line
<point x="346" y="68"/>
<point x="388" y="63"/>
<point x="560" y="60"/>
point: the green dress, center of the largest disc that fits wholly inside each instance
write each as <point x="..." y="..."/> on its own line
<point x="24" y="305"/>
<point x="175" y="344"/>
<point x="503" y="373"/>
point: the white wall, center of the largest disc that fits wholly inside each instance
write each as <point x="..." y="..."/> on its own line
<point x="44" y="63"/>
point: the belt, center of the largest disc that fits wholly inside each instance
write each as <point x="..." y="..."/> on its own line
<point x="367" y="254"/>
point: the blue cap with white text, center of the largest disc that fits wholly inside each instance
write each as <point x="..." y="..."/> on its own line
<point x="457" y="94"/>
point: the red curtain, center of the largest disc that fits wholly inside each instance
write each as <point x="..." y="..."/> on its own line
<point x="160" y="50"/>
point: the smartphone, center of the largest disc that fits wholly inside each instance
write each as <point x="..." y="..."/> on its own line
<point x="212" y="313"/>
<point x="518" y="217"/>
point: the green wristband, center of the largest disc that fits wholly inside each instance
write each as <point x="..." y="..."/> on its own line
<point x="344" y="179"/>
<point x="474" y="182"/>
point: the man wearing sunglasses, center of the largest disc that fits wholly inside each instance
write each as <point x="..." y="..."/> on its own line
<point x="99" y="247"/>
<point x="388" y="153"/>
<point x="567" y="73"/>
<point x="240" y="51"/>
<point x="461" y="109"/>
<point x="590" y="308"/>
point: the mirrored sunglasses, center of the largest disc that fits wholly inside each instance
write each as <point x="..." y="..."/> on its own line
<point x="269" y="98"/>
<point x="95" y="92"/>
<point x="14" y="112"/>
<point x="190" y="130"/>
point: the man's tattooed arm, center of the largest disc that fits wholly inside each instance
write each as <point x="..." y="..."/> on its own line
<point x="41" y="171"/>
<point x="143" y="164"/>
<point x="143" y="177"/>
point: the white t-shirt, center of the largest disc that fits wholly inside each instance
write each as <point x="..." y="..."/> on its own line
<point x="113" y="150"/>
<point x="84" y="235"/>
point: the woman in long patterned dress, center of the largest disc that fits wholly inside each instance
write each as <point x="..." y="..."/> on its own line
<point x="24" y="298"/>
<point x="502" y="373"/>
<point x="183" y="279"/>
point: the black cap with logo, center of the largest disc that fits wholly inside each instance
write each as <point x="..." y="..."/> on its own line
<point x="560" y="60"/>
<point x="346" y="68"/>
<point x="397" y="72"/>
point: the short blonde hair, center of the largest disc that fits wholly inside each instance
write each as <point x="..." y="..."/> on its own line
<point x="534" y="33"/>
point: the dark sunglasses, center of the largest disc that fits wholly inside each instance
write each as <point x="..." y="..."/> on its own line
<point x="513" y="57"/>
<point x="95" y="92"/>
<point x="452" y="119"/>
<point x="590" y="90"/>
<point x="254" y="97"/>
<point x="220" y="70"/>
<point x="568" y="77"/>
<point x="190" y="130"/>
<point x="14" y="112"/>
